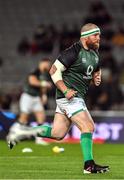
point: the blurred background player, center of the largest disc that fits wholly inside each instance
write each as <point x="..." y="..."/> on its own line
<point x="32" y="100"/>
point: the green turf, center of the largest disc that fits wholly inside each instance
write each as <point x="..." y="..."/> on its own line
<point x="42" y="163"/>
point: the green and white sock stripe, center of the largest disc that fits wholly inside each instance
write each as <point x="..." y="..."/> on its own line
<point x="90" y="32"/>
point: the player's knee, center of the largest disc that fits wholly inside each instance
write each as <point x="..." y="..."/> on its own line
<point x="89" y="128"/>
<point x="57" y="135"/>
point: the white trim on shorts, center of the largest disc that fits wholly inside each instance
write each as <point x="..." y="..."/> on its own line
<point x="70" y="107"/>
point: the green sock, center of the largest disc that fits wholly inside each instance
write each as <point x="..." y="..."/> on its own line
<point x="45" y="131"/>
<point x="86" y="146"/>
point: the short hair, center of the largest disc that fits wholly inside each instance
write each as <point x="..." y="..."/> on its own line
<point x="88" y="27"/>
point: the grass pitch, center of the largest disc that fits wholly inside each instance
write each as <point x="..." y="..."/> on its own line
<point x="42" y="163"/>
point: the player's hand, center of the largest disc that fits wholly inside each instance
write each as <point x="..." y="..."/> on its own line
<point x="70" y="94"/>
<point x="46" y="84"/>
<point x="97" y="79"/>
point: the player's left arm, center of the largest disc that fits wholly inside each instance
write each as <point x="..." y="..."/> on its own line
<point x="97" y="77"/>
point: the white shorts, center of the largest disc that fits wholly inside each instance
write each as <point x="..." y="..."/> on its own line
<point x="30" y="103"/>
<point x="70" y="107"/>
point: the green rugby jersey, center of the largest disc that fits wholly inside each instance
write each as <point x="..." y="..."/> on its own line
<point x="80" y="65"/>
<point x="33" y="90"/>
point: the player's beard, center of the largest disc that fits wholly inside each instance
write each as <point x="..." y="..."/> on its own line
<point x="91" y="45"/>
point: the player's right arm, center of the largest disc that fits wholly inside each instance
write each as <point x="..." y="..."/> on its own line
<point x="63" y="62"/>
<point x="56" y="75"/>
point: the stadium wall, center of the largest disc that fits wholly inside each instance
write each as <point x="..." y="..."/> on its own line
<point x="109" y="126"/>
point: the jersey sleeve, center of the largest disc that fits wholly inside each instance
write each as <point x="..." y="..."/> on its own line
<point x="67" y="57"/>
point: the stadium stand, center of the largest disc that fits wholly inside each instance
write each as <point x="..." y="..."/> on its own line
<point x="20" y="19"/>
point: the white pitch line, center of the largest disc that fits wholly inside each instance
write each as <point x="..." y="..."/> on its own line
<point x="31" y="157"/>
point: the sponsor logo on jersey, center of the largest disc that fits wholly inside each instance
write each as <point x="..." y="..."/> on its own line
<point x="83" y="60"/>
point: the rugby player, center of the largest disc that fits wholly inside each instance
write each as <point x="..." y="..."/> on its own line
<point x="72" y="73"/>
<point x="31" y="101"/>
